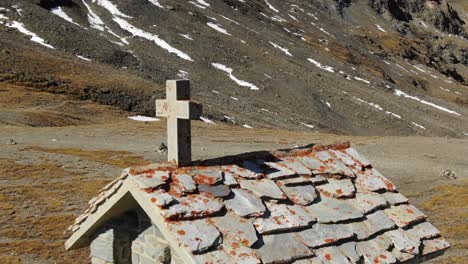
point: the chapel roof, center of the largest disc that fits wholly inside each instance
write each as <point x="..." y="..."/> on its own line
<point x="320" y="204"/>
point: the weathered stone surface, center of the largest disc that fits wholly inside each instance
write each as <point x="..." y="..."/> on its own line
<point x="372" y="253"/>
<point x="244" y="173"/>
<point x="325" y="234"/>
<point x="185" y="182"/>
<point x="263" y="188"/>
<point x="344" y="157"/>
<point x="160" y="198"/>
<point x="296" y="165"/>
<point x="280" y="248"/>
<point x="152" y="179"/>
<point x="209" y="175"/>
<point x="424" y="230"/>
<point x="331" y="210"/>
<point x="383" y="242"/>
<point x="331" y="255"/>
<point x="314" y="164"/>
<point x="337" y="188"/>
<point x="405" y="214"/>
<point x="334" y="165"/>
<point x="402" y="256"/>
<point x="303" y="180"/>
<point x="245" y="203"/>
<point x="349" y="250"/>
<point x="197" y="236"/>
<point x="371" y="180"/>
<point x="401" y="242"/>
<point x="216" y="256"/>
<point x="374" y="223"/>
<point x="103" y="249"/>
<point x="229" y="179"/>
<point x="358" y="157"/>
<point x="318" y="179"/>
<point x="433" y="245"/>
<point x="193" y="206"/>
<point x="236" y="229"/>
<point x="278" y="171"/>
<point x="299" y="194"/>
<point x="282" y="218"/>
<point x="313" y="260"/>
<point x="368" y="202"/>
<point x="394" y="198"/>
<point x="240" y="254"/>
<point x="219" y="190"/>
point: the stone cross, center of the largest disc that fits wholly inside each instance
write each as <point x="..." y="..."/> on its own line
<point x="179" y="110"/>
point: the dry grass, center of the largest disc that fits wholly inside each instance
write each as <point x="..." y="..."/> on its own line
<point x="449" y="210"/>
<point x="120" y="159"/>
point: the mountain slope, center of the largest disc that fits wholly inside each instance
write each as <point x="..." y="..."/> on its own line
<point x="386" y="67"/>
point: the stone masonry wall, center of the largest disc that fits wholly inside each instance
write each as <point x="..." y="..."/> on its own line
<point x="131" y="238"/>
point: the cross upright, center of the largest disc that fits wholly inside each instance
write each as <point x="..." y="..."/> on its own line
<point x="179" y="110"/>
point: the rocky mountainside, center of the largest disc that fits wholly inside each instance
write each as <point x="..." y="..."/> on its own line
<point x="364" y="67"/>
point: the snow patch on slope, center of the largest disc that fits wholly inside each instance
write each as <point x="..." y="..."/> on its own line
<point x="405" y="95"/>
<point x="229" y="71"/>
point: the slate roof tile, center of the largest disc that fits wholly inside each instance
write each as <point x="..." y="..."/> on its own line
<point x="278" y="170"/>
<point x="433" y="245"/>
<point x="241" y="172"/>
<point x="334" y="165"/>
<point x="325" y="234"/>
<point x="151" y="179"/>
<point x="374" y="223"/>
<point x="331" y="255"/>
<point x="314" y="164"/>
<point x="236" y="228"/>
<point x="303" y="180"/>
<point x="229" y="179"/>
<point x="331" y="210"/>
<point x="371" y="180"/>
<point x="263" y="188"/>
<point x="279" y="248"/>
<point x="405" y="214"/>
<point x="299" y="194"/>
<point x="244" y="203"/>
<point x="394" y="198"/>
<point x="184" y="182"/>
<point x="296" y="165"/>
<point x="219" y="190"/>
<point x="337" y="188"/>
<point x="208" y="175"/>
<point x="369" y="201"/>
<point x="401" y="242"/>
<point x="193" y="206"/>
<point x="197" y="236"/>
<point x="358" y="157"/>
<point x="160" y="198"/>
<point x="402" y="256"/>
<point x="314" y="260"/>
<point x="349" y="250"/>
<point x="283" y="218"/>
<point x="424" y="230"/>
<point x="372" y="253"/>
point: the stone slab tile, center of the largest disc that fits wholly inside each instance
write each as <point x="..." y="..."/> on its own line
<point x="152" y="179"/>
<point x="304" y="180"/>
<point x="299" y="194"/>
<point x="402" y="256"/>
<point x="208" y="175"/>
<point x="283" y="218"/>
<point x="219" y="190"/>
<point x="337" y="188"/>
<point x="160" y="198"/>
<point x="371" y="180"/>
<point x="358" y="157"/>
<point x="401" y="242"/>
<point x="325" y="234"/>
<point x="314" y="164"/>
<point x="349" y="250"/>
<point x="345" y="158"/>
<point x="373" y="253"/>
<point x="241" y="172"/>
<point x="394" y="198"/>
<point x="229" y="179"/>
<point x="278" y="170"/>
<point x="279" y="248"/>
<point x="240" y="254"/>
<point x="405" y="214"/>
<point x="245" y="203"/>
<point x="193" y="206"/>
<point x="369" y="201"/>
<point x="331" y="210"/>
<point x="424" y="230"/>
<point x="237" y="229"/>
<point x="314" y="260"/>
<point x="433" y="245"/>
<point x="296" y="165"/>
<point x="374" y="223"/>
<point x="263" y="188"/>
<point x="185" y="183"/>
<point x="331" y="255"/>
<point x="334" y="165"/>
<point x="196" y="236"/>
<point x="216" y="256"/>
